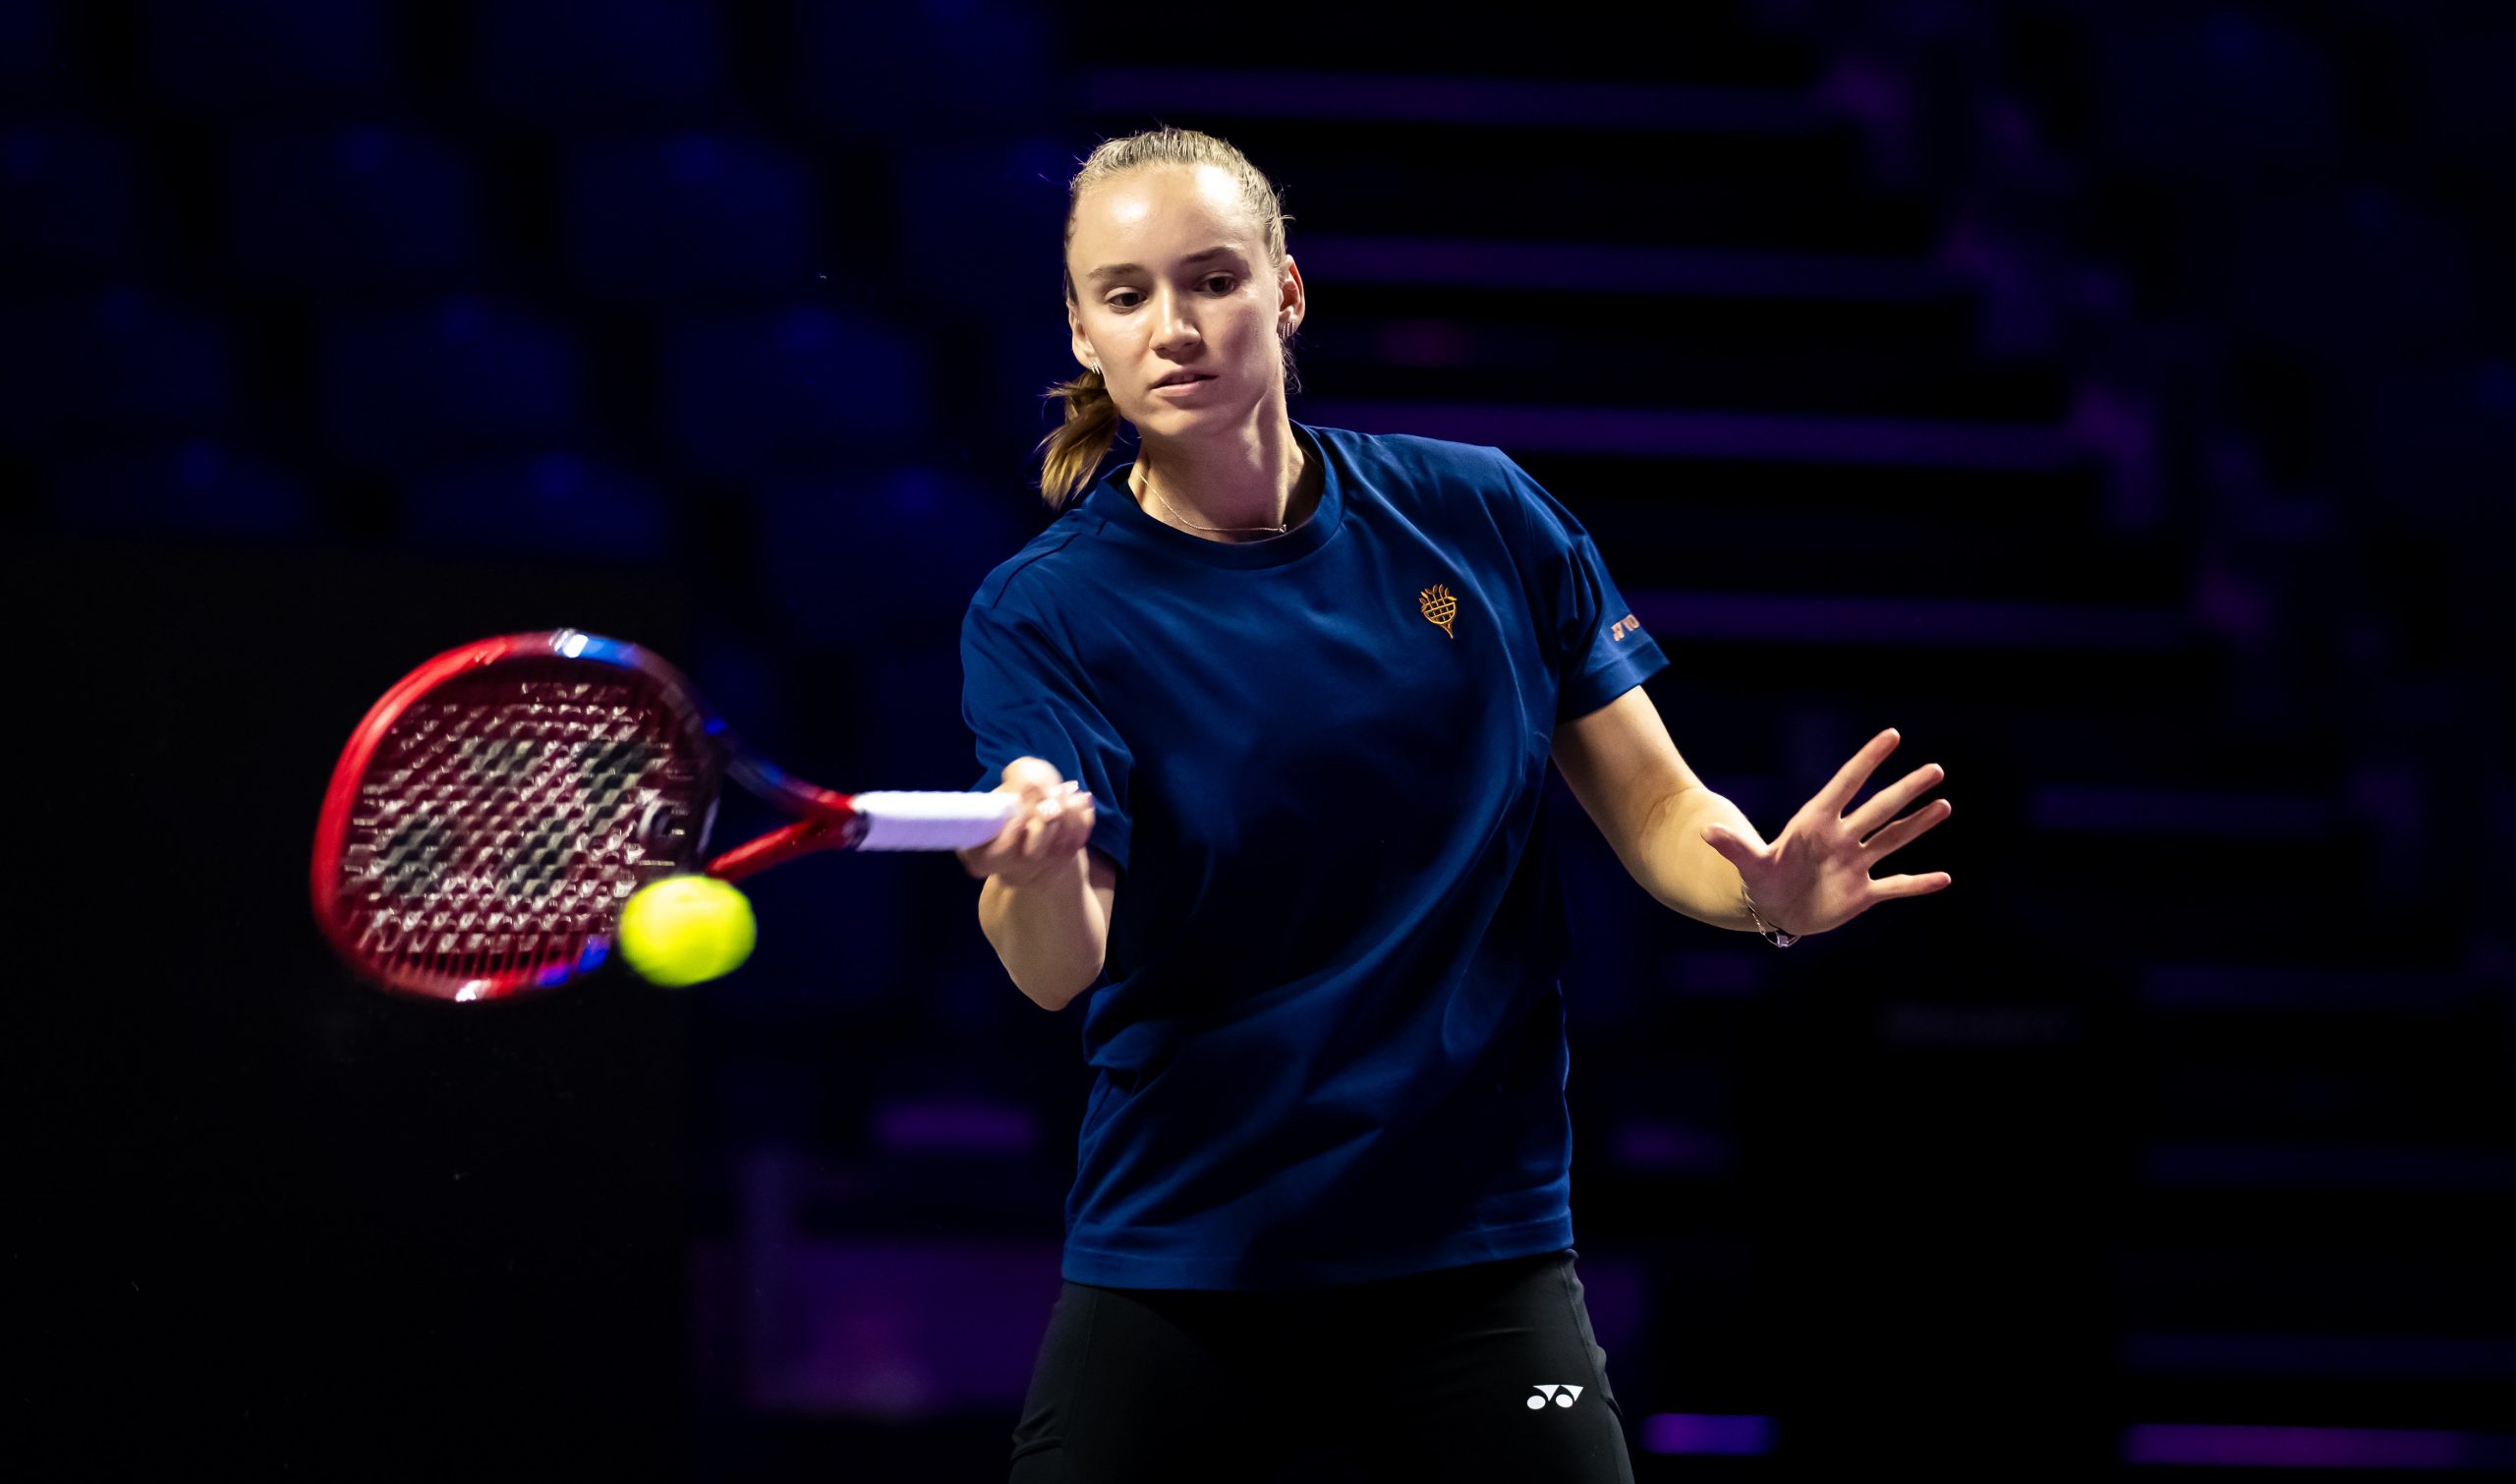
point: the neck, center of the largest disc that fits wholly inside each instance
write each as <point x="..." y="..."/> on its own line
<point x="1248" y="484"/>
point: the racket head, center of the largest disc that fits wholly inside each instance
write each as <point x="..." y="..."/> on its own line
<point x="497" y="806"/>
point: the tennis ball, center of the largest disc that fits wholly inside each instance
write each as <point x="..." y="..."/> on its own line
<point x="686" y="930"/>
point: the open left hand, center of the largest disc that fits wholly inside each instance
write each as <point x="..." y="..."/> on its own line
<point x="1815" y="874"/>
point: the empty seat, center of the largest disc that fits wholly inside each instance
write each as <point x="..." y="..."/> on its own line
<point x="960" y="68"/>
<point x="855" y="556"/>
<point x="753" y="394"/>
<point x="691" y="215"/>
<point x="34" y="64"/>
<point x="568" y="65"/>
<point x="324" y="211"/>
<point x="2458" y="97"/>
<point x="193" y="488"/>
<point x="555" y="503"/>
<point x="2443" y="425"/>
<point x="2214" y="96"/>
<point x="269" y="58"/>
<point x="910" y="674"/>
<point x="984" y="221"/>
<point x="71" y="196"/>
<point x="444" y="382"/>
<point x="115" y="366"/>
<point x="2340" y="272"/>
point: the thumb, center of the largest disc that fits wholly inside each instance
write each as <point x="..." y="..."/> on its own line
<point x="1728" y="845"/>
<point x="1024" y="774"/>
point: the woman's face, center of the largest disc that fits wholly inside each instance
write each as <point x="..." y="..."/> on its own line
<point x="1175" y="299"/>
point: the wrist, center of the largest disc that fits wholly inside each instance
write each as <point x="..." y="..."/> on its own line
<point x="1020" y="874"/>
<point x="1765" y="927"/>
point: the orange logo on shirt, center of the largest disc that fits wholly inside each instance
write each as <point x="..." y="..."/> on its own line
<point x="1628" y="624"/>
<point x="1440" y="608"/>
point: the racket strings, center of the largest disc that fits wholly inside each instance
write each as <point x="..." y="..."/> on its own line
<point x="507" y="816"/>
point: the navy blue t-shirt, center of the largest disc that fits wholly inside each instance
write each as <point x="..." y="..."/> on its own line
<point x="1328" y="1040"/>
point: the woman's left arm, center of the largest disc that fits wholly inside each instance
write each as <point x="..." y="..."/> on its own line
<point x="1695" y="853"/>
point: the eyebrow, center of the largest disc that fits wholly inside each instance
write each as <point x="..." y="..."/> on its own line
<point x="1121" y="270"/>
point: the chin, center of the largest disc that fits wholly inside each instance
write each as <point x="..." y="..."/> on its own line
<point x="1207" y="408"/>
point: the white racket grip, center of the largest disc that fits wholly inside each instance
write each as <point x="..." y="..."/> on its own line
<point x="930" y="821"/>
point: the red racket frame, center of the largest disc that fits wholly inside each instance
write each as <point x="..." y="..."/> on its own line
<point x="826" y="820"/>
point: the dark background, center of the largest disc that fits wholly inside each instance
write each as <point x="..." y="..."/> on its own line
<point x="2117" y="398"/>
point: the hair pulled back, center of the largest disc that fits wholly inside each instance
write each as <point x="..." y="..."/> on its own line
<point x="1074" y="452"/>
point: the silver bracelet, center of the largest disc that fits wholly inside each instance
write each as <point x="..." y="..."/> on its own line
<point x="1774" y="935"/>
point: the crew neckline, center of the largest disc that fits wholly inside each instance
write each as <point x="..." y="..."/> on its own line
<point x="1111" y="500"/>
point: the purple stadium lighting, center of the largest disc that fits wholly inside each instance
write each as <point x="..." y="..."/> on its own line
<point x="1706" y="1433"/>
<point x="955" y="1126"/>
<point x="2199" y="1445"/>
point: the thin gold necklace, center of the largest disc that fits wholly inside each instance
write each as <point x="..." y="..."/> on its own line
<point x="1218" y="529"/>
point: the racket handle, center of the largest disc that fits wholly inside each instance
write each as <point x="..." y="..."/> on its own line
<point x="930" y="821"/>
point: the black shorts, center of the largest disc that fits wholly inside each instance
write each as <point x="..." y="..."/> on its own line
<point x="1483" y="1372"/>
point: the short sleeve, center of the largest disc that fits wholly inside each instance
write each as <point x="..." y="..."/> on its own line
<point x="1596" y="647"/>
<point x="1023" y="695"/>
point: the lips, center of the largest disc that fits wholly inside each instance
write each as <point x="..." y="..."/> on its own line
<point x="1182" y="379"/>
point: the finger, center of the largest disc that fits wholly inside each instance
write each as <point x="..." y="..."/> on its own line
<point x="1029" y="776"/>
<point x="1911" y="885"/>
<point x="1073" y="830"/>
<point x="1038" y="801"/>
<point x="1884" y="805"/>
<point x="1009" y="841"/>
<point x="1886" y="842"/>
<point x="1062" y="836"/>
<point x="1730" y="847"/>
<point x="1041" y="828"/>
<point x="1026" y="830"/>
<point x="1837" y="796"/>
<point x="1028" y="767"/>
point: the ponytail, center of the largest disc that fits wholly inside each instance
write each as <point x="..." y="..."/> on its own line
<point x="1075" y="451"/>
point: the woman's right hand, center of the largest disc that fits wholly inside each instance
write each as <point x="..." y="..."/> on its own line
<point x="1042" y="837"/>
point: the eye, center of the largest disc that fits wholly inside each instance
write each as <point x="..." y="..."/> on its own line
<point x="1226" y="279"/>
<point x="1114" y="301"/>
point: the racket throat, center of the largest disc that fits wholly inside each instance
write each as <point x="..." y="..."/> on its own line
<point x="802" y="837"/>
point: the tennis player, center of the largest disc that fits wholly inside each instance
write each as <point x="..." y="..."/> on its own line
<point x="1280" y="702"/>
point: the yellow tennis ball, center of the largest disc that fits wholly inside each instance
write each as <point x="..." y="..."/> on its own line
<point x="686" y="930"/>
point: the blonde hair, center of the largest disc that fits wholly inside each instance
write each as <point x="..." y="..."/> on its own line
<point x="1075" y="449"/>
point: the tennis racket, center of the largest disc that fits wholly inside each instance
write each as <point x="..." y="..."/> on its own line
<point x="498" y="807"/>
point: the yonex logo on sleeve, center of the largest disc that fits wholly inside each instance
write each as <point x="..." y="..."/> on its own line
<point x="1628" y="624"/>
<point x="1563" y="1396"/>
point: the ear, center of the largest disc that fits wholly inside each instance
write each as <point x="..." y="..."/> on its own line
<point x="1291" y="300"/>
<point x="1084" y="355"/>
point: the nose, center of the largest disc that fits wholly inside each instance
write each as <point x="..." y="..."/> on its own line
<point x="1175" y="325"/>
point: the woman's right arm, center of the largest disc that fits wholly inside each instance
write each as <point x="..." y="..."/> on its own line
<point x="1046" y="905"/>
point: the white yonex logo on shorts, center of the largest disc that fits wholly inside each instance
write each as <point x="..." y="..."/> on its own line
<point x="1563" y="1396"/>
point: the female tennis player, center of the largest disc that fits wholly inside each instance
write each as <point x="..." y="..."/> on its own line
<point x="1280" y="701"/>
